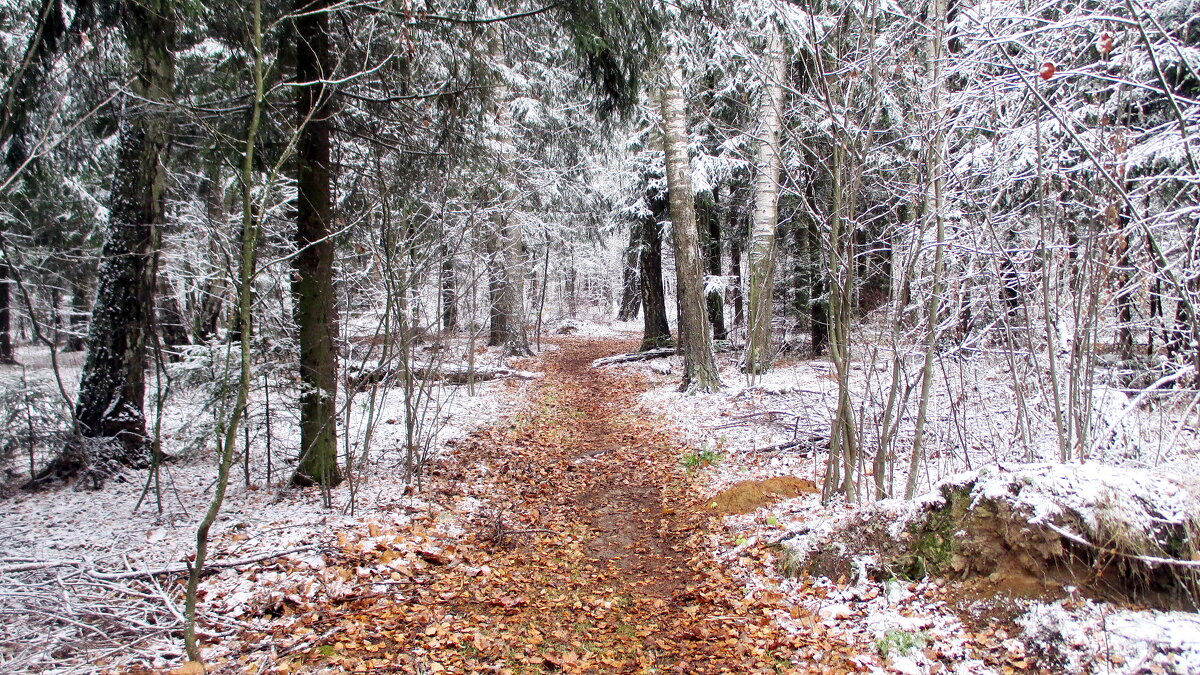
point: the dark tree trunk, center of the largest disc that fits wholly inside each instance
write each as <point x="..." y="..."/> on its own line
<point x="498" y="326"/>
<point x="1155" y="314"/>
<point x="112" y="387"/>
<point x="711" y="232"/>
<point x="56" y="314"/>
<point x="6" y="346"/>
<point x="655" y="332"/>
<point x="1125" y="289"/>
<point x="208" y="300"/>
<point x="819" y="316"/>
<point x="77" y="324"/>
<point x="171" y="325"/>
<point x="874" y="258"/>
<point x="1010" y="285"/>
<point x="631" y="295"/>
<point x="449" y="292"/>
<point x="801" y="270"/>
<point x="312" y="284"/>
<point x="737" y="240"/>
<point x="572" y="290"/>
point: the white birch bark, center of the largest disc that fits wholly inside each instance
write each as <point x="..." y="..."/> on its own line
<point x="695" y="333"/>
<point x="761" y="249"/>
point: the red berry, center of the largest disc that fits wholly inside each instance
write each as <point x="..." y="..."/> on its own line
<point x="1047" y="71"/>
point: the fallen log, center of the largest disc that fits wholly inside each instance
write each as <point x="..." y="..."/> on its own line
<point x="459" y="375"/>
<point x="444" y="373"/>
<point x="808" y="445"/>
<point x="659" y="353"/>
<point x="177" y="568"/>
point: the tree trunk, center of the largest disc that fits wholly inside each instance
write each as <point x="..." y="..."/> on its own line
<point x="495" y="277"/>
<point x="736" y="240"/>
<point x="6" y="346"/>
<point x="570" y="283"/>
<point x="631" y="298"/>
<point x="759" y="353"/>
<point x="514" y="339"/>
<point x="712" y="254"/>
<point x="510" y="300"/>
<point x="449" y="291"/>
<point x="655" y="331"/>
<point x="801" y="270"/>
<point x="700" y="369"/>
<point x="171" y="325"/>
<point x="1124" y="295"/>
<point x="936" y="153"/>
<point x="77" y="323"/>
<point x="312" y="284"/>
<point x="209" y="296"/>
<point x="112" y="387"/>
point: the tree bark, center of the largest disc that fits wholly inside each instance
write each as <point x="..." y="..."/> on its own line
<point x="209" y="297"/>
<point x="77" y="323"/>
<point x="936" y="154"/>
<point x="112" y="387"/>
<point x="312" y="284"/>
<point x="736" y="240"/>
<point x="497" y="319"/>
<point x="510" y="299"/>
<point x="449" y="291"/>
<point x="695" y="337"/>
<point x="655" y="331"/>
<point x="631" y="298"/>
<point x="171" y="325"/>
<point x="759" y="352"/>
<point x="6" y="346"/>
<point x="712" y="259"/>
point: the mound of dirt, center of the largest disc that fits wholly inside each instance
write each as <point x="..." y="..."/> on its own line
<point x="1118" y="534"/>
<point x="748" y="495"/>
<point x="1128" y="535"/>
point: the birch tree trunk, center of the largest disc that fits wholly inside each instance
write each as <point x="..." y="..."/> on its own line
<point x="761" y="248"/>
<point x="695" y="336"/>
<point x="312" y="287"/>
<point x="112" y="387"/>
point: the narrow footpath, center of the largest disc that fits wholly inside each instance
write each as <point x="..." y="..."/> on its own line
<point x="588" y="556"/>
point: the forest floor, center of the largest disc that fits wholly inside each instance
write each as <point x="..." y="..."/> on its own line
<point x="588" y="555"/>
<point x="589" y="520"/>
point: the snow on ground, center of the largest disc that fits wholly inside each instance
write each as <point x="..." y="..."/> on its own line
<point x="100" y="530"/>
<point x="929" y="627"/>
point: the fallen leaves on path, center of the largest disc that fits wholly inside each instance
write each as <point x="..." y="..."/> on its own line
<point x="588" y="556"/>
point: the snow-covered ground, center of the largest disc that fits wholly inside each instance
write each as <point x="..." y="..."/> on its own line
<point x="934" y="626"/>
<point x="52" y="541"/>
<point x="56" y="546"/>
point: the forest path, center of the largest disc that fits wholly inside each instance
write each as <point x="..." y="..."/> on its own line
<point x="589" y="556"/>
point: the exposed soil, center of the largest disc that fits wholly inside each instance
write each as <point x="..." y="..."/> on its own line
<point x="748" y="495"/>
<point x="590" y="556"/>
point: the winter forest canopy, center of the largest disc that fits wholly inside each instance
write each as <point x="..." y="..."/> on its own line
<point x="310" y="246"/>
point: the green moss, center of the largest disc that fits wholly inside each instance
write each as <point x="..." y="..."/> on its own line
<point x="932" y="540"/>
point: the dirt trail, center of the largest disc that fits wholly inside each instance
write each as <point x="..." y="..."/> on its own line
<point x="588" y="558"/>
